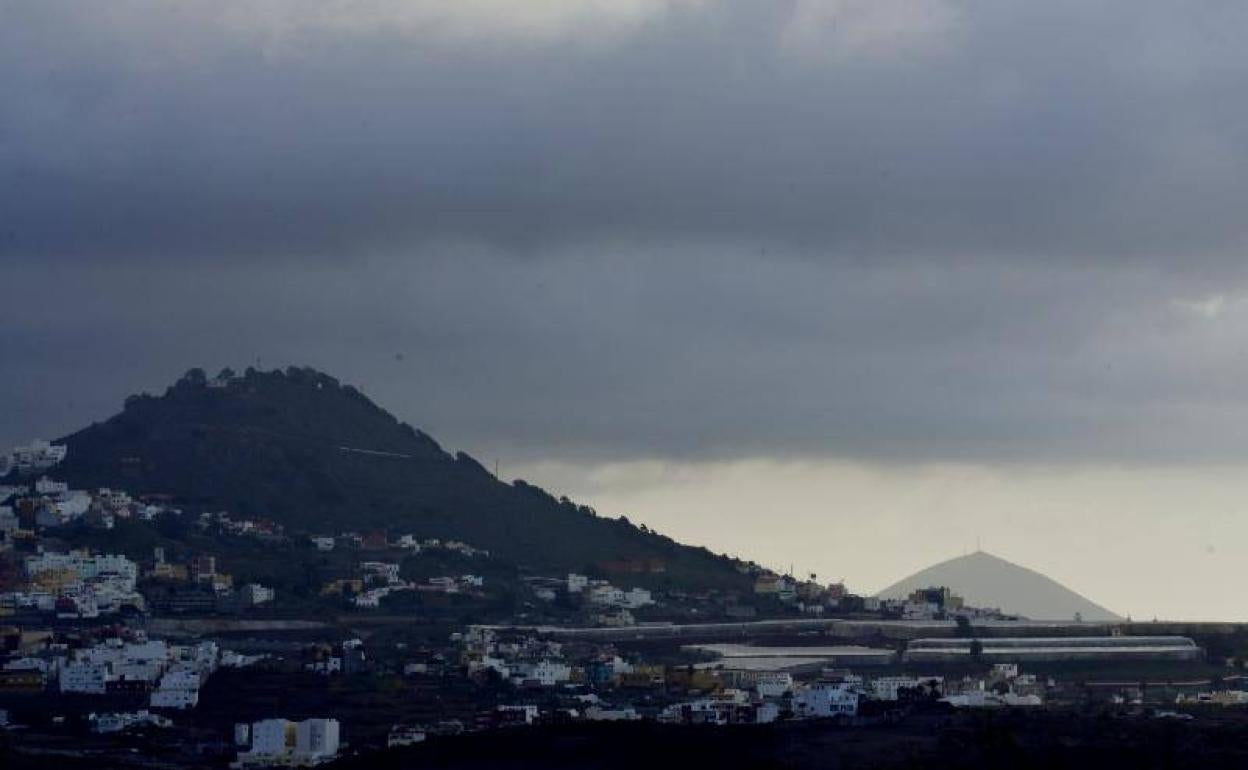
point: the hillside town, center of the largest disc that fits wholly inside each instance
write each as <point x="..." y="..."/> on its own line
<point x="137" y="622"/>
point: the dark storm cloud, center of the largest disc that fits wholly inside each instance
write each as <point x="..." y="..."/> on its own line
<point x="904" y="230"/>
<point x="1049" y="129"/>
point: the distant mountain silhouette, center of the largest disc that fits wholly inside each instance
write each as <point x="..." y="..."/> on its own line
<point x="984" y="580"/>
<point x="298" y="447"/>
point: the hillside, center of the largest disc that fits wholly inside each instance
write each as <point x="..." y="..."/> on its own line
<point x="984" y="580"/>
<point x="318" y="456"/>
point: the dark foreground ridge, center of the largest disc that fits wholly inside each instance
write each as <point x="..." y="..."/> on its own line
<point x="954" y="742"/>
<point x="299" y="447"/>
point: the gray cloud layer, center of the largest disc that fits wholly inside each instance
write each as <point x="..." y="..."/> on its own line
<point x="902" y="230"/>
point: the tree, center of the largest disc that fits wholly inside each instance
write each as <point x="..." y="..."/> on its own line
<point x="172" y="526"/>
<point x="977" y="650"/>
<point x="964" y="630"/>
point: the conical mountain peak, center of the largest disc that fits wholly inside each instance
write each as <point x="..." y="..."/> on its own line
<point x="986" y="580"/>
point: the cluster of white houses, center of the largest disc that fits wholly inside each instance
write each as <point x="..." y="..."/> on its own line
<point x="761" y="697"/>
<point x="377" y="540"/>
<point x="614" y="606"/>
<point x="731" y="694"/>
<point x="172" y="674"/>
<point x="27" y="508"/>
<point x="31" y="458"/>
<point x="526" y="662"/>
<point x="379" y="579"/>
<point x="75" y="584"/>
<point x="812" y="598"/>
<point x="602" y="593"/>
<point x="168" y="675"/>
<point x="117" y="722"/>
<point x="229" y="524"/>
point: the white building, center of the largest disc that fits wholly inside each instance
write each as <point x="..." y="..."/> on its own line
<point x="708" y="711"/>
<point x="31" y="664"/>
<point x="600" y="714"/>
<point x="48" y="516"/>
<point x="179" y="700"/>
<point x="380" y="571"/>
<point x="988" y="699"/>
<point x="1003" y="671"/>
<point x="150" y="651"/>
<point x="178" y="689"/>
<point x="316" y="739"/>
<point x="272" y="737"/>
<point x="177" y="670"/>
<point x="919" y="610"/>
<point x="115" y="723"/>
<point x="637" y="598"/>
<point x="113" y="498"/>
<point x="282" y="742"/>
<point x="84" y="677"/>
<point x="404" y="736"/>
<point x="888" y="688"/>
<point x="136" y="671"/>
<point x="527" y="714"/>
<point x="618" y="619"/>
<point x="545" y="673"/>
<point x="86" y="567"/>
<point x="36" y="456"/>
<point x="254" y="593"/>
<point x="445" y="584"/>
<point x="773" y="684"/>
<point x="50" y="488"/>
<point x="327" y="666"/>
<point x="71" y="505"/>
<point x="181" y="677"/>
<point x="607" y="595"/>
<point x="825" y="699"/>
<point x="577" y="583"/>
<point x="8" y="520"/>
<point x="1214" y="698"/>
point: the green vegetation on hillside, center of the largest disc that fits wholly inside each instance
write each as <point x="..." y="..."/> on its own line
<point x="300" y="448"/>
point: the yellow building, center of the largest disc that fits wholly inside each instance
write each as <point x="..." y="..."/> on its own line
<point x="167" y="571"/>
<point x="342" y="586"/>
<point x="644" y="676"/>
<point x="694" y="679"/>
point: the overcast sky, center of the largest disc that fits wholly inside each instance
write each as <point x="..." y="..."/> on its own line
<point x="842" y="283"/>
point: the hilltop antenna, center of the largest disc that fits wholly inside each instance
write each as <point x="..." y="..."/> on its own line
<point x="496" y="469"/>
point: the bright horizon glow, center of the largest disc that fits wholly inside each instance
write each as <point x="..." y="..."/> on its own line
<point x="1143" y="542"/>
